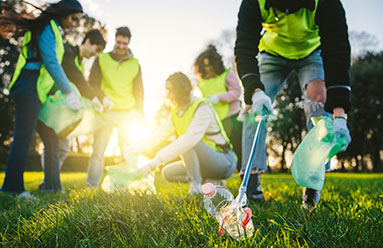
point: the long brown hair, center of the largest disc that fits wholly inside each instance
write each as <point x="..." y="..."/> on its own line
<point x="178" y="86"/>
<point x="15" y="19"/>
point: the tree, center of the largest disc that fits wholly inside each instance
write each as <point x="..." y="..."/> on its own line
<point x="366" y="117"/>
<point x="361" y="43"/>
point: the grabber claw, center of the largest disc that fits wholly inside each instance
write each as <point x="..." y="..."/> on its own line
<point x="246" y="220"/>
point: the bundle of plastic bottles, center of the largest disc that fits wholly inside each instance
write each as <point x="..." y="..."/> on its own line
<point x="316" y="149"/>
<point x="232" y="218"/>
<point x="125" y="177"/>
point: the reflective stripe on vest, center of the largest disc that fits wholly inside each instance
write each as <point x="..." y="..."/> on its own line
<point x="182" y="123"/>
<point x="44" y="82"/>
<point x="117" y="80"/>
<point x="293" y="36"/>
<point x="213" y="86"/>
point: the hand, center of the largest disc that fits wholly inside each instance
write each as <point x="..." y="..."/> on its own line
<point x="150" y="166"/>
<point x="242" y="114"/>
<point x="108" y="104"/>
<point x="341" y="131"/>
<point x="98" y="104"/>
<point x="213" y="99"/>
<point x="260" y="101"/>
<point x="73" y="101"/>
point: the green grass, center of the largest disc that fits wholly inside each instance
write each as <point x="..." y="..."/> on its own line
<point x="349" y="215"/>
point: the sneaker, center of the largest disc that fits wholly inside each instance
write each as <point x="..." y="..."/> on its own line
<point x="311" y="198"/>
<point x="195" y="188"/>
<point x="28" y="196"/>
<point x="254" y="188"/>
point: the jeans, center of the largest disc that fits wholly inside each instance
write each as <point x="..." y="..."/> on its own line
<point x="274" y="72"/>
<point x="201" y="162"/>
<point x="63" y="150"/>
<point x="120" y="120"/>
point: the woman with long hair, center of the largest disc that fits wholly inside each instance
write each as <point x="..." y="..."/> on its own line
<point x="202" y="142"/>
<point x="221" y="87"/>
<point x="38" y="72"/>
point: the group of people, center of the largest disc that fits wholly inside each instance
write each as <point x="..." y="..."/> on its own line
<point x="306" y="36"/>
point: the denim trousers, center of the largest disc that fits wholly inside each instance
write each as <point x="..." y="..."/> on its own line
<point x="119" y="120"/>
<point x="201" y="162"/>
<point x="274" y="72"/>
<point x="27" y="108"/>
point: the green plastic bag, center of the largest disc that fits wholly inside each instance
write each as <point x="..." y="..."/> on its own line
<point x="66" y="122"/>
<point x="316" y="149"/>
<point x="124" y="177"/>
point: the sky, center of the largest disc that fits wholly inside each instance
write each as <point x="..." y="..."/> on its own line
<point x="167" y="35"/>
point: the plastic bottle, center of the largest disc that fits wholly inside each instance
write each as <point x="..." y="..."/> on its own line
<point x="219" y="202"/>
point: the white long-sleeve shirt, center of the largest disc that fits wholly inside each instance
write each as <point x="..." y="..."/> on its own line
<point x="203" y="122"/>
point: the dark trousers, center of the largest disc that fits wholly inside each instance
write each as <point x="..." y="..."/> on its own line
<point x="233" y="129"/>
<point x="27" y="109"/>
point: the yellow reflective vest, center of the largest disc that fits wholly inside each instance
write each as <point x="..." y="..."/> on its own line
<point x="214" y="86"/>
<point x="182" y="123"/>
<point x="117" y="80"/>
<point x="44" y="82"/>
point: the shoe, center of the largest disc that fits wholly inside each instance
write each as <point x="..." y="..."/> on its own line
<point x="195" y="188"/>
<point x="254" y="188"/>
<point x="221" y="183"/>
<point x="27" y="196"/>
<point x="311" y="198"/>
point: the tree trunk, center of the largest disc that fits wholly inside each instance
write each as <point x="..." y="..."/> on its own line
<point x="283" y="159"/>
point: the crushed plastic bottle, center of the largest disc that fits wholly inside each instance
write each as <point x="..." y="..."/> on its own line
<point x="232" y="218"/>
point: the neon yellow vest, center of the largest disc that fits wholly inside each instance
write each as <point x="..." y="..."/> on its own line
<point x="182" y="123"/>
<point x="293" y="36"/>
<point x="117" y="80"/>
<point x="79" y="64"/>
<point x="44" y="82"/>
<point x="213" y="86"/>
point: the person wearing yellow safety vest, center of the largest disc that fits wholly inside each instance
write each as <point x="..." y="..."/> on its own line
<point x="37" y="71"/>
<point x="275" y="37"/>
<point x="92" y="44"/>
<point x="201" y="140"/>
<point x="116" y="76"/>
<point x="222" y="88"/>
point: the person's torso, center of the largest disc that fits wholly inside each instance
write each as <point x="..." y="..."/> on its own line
<point x="214" y="86"/>
<point x="118" y="79"/>
<point x="292" y="36"/>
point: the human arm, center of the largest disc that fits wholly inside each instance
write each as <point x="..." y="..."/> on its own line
<point x="248" y="31"/>
<point x="95" y="78"/>
<point x="330" y="17"/>
<point x="233" y="89"/>
<point x="73" y="72"/>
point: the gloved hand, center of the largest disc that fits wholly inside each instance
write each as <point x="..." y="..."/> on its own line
<point x="150" y="166"/>
<point x="108" y="104"/>
<point x="261" y="100"/>
<point x="341" y="131"/>
<point x="73" y="101"/>
<point x="242" y="115"/>
<point x="98" y="104"/>
<point x="213" y="99"/>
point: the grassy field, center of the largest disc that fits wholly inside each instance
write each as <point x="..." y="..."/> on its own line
<point x="349" y="215"/>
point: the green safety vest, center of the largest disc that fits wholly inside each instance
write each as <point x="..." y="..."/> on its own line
<point x="293" y="36"/>
<point x="182" y="123"/>
<point x="44" y="82"/>
<point x="213" y="86"/>
<point x="79" y="64"/>
<point x="117" y="80"/>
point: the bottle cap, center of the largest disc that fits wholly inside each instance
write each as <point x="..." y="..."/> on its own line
<point x="209" y="190"/>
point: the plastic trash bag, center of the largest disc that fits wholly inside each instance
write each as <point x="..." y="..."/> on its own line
<point x="66" y="122"/>
<point x="124" y="177"/>
<point x="316" y="149"/>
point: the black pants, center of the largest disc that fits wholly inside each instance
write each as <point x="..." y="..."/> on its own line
<point x="233" y="129"/>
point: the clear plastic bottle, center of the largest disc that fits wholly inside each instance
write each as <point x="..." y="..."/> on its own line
<point x="219" y="202"/>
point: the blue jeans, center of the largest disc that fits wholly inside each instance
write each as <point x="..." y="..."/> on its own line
<point x="201" y="162"/>
<point x="274" y="72"/>
<point x="27" y="109"/>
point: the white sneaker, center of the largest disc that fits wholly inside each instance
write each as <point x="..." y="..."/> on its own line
<point x="28" y="196"/>
<point x="195" y="188"/>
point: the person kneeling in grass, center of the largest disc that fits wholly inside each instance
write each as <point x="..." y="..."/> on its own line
<point x="201" y="141"/>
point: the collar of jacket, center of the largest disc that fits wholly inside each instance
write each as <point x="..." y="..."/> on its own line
<point x="121" y="58"/>
<point x="290" y="6"/>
